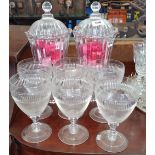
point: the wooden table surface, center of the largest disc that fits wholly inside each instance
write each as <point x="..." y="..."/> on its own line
<point x="134" y="128"/>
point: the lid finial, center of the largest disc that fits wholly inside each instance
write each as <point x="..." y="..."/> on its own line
<point x="95" y="6"/>
<point x="47" y="7"/>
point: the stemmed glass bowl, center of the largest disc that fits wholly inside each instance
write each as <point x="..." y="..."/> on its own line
<point x="72" y="92"/>
<point x="115" y="101"/>
<point x="113" y="72"/>
<point x="31" y="65"/>
<point x="31" y="95"/>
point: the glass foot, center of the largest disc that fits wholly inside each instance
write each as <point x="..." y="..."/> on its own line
<point x="62" y="115"/>
<point x="76" y="137"/>
<point x="31" y="135"/>
<point x="114" y="146"/>
<point x="96" y="116"/>
<point x="47" y="112"/>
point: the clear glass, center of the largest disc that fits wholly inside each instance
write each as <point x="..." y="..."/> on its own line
<point x="48" y="37"/>
<point x="140" y="66"/>
<point x="31" y="65"/>
<point x="56" y="65"/>
<point x="32" y="98"/>
<point x="115" y="101"/>
<point x="94" y="36"/>
<point x="67" y="61"/>
<point x="140" y="58"/>
<point x="142" y="100"/>
<point x="72" y="92"/>
<point x="113" y="72"/>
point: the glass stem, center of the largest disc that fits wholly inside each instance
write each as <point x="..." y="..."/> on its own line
<point x="113" y="133"/>
<point x="35" y="124"/>
<point x="51" y="101"/>
<point x="73" y="126"/>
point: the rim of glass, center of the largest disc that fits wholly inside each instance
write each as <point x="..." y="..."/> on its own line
<point x="110" y="61"/>
<point x="139" y="44"/>
<point x="67" y="60"/>
<point x="116" y="61"/>
<point x="28" y="60"/>
<point x="31" y="61"/>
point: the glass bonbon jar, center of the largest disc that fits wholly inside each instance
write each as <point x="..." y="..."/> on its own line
<point x="94" y="36"/>
<point x="48" y="37"/>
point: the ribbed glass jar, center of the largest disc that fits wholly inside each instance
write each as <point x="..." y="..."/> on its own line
<point x="94" y="36"/>
<point x="48" y="37"/>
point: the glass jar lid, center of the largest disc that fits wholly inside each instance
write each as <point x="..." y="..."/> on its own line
<point x="95" y="26"/>
<point x="47" y="27"/>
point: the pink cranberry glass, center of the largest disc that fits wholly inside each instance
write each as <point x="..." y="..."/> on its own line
<point x="94" y="37"/>
<point x="92" y="51"/>
<point x="50" y="52"/>
<point x="48" y="37"/>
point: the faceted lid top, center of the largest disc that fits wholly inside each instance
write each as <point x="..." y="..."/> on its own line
<point x="47" y="27"/>
<point x="47" y="7"/>
<point x="95" y="26"/>
<point x="95" y="6"/>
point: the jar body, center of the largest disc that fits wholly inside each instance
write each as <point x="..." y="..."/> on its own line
<point x="93" y="49"/>
<point x="49" y="50"/>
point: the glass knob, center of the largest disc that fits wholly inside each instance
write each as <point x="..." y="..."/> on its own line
<point x="47" y="7"/>
<point x="95" y="6"/>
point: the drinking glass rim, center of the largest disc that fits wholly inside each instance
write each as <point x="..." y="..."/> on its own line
<point x="115" y="62"/>
<point x="30" y="61"/>
<point x="68" y="61"/>
<point x="139" y="44"/>
<point x="142" y="42"/>
<point x="110" y="61"/>
<point x="81" y="59"/>
<point x="70" y="58"/>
